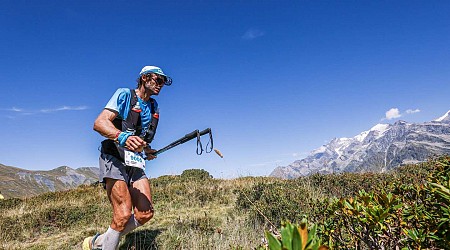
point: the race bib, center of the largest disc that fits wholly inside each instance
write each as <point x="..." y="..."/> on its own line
<point x="133" y="159"/>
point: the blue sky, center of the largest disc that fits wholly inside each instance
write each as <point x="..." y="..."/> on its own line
<point x="273" y="79"/>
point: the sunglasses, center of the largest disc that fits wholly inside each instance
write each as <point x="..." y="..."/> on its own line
<point x="163" y="80"/>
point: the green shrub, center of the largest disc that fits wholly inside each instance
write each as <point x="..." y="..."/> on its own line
<point x="10" y="203"/>
<point x="369" y="220"/>
<point x="195" y="174"/>
<point x="412" y="216"/>
<point x="428" y="216"/>
<point x="406" y="208"/>
<point x="194" y="188"/>
<point x="276" y="201"/>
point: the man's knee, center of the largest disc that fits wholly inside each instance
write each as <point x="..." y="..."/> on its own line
<point x="120" y="220"/>
<point x="143" y="216"/>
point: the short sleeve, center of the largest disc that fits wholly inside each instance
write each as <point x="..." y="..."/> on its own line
<point x="120" y="102"/>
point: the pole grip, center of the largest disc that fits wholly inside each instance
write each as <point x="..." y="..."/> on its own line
<point x="205" y="131"/>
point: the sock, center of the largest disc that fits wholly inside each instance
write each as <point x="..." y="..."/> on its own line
<point x="99" y="241"/>
<point x="130" y="226"/>
<point x="110" y="239"/>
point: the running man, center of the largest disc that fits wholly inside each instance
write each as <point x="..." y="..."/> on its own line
<point x="129" y="122"/>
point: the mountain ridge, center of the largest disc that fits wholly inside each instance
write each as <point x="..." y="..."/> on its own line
<point x="18" y="182"/>
<point x="383" y="147"/>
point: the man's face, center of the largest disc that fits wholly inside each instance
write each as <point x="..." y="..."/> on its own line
<point x="153" y="83"/>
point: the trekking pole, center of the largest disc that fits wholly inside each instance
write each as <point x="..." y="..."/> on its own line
<point x="194" y="134"/>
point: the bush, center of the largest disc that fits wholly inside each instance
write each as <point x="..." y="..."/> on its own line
<point x="406" y="208"/>
<point x="196" y="174"/>
<point x="413" y="216"/>
<point x="276" y="201"/>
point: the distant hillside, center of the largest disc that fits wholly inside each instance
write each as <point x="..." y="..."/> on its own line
<point x="17" y="182"/>
<point x="383" y="147"/>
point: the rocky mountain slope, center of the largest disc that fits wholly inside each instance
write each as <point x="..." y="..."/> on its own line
<point x="383" y="147"/>
<point x="16" y="182"/>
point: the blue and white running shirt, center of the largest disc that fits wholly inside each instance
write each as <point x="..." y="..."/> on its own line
<point x="120" y="102"/>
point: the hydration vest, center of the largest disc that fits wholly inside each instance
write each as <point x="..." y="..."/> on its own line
<point x="132" y="125"/>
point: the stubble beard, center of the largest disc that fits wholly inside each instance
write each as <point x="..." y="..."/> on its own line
<point x="151" y="89"/>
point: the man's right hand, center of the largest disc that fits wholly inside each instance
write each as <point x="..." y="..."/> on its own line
<point x="149" y="153"/>
<point x="135" y="143"/>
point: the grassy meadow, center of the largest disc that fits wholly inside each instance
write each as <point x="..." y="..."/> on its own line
<point x="407" y="208"/>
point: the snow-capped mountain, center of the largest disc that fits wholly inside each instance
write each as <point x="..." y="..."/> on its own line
<point x="444" y="118"/>
<point x="383" y="147"/>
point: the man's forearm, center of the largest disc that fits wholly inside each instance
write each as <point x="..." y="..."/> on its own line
<point x="106" y="129"/>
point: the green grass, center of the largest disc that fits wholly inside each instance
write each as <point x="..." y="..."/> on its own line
<point x="194" y="210"/>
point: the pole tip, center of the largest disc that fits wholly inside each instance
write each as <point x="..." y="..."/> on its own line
<point x="218" y="153"/>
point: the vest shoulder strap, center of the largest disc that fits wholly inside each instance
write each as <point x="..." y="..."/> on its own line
<point x="152" y="105"/>
<point x="133" y="99"/>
